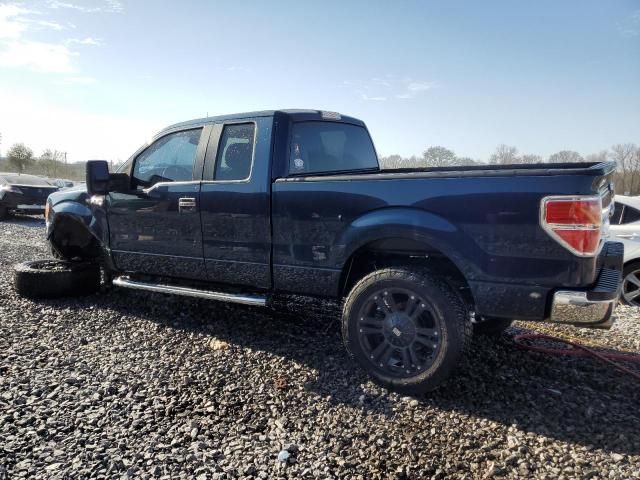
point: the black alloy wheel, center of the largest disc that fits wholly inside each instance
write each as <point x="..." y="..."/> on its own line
<point x="399" y="331"/>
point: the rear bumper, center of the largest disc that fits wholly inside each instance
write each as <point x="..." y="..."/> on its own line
<point x="594" y="307"/>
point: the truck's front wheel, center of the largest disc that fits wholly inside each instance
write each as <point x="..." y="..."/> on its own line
<point x="406" y="328"/>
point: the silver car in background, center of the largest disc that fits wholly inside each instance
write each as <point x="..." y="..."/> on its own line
<point x="625" y="227"/>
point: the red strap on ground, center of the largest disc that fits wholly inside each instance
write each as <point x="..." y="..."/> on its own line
<point x="577" y="350"/>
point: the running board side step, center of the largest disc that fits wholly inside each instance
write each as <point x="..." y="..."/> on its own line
<point x="127" y="282"/>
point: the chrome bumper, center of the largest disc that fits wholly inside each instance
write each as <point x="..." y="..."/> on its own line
<point x="575" y="308"/>
<point x="592" y="308"/>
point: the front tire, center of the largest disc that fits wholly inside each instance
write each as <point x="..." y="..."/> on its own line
<point x="407" y="328"/>
<point x="56" y="278"/>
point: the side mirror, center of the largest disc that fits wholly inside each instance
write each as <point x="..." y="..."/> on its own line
<point x="97" y="177"/>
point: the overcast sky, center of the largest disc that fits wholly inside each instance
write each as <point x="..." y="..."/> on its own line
<point x="97" y="78"/>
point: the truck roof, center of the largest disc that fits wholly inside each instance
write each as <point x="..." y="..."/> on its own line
<point x="294" y="114"/>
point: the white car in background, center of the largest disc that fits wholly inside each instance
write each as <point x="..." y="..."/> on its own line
<point x="625" y="227"/>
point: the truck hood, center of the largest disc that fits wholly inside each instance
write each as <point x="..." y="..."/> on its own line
<point x="73" y="194"/>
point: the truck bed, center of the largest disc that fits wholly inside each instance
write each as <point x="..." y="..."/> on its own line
<point x="538" y="169"/>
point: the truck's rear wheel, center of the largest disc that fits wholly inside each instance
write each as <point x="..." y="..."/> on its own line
<point x="406" y="328"/>
<point x="56" y="278"/>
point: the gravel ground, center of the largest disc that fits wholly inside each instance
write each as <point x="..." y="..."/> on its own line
<point x="124" y="384"/>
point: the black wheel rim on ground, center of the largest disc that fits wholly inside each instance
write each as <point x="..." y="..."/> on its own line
<point x="399" y="332"/>
<point x="631" y="288"/>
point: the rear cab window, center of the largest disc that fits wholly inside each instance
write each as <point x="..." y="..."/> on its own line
<point x="325" y="147"/>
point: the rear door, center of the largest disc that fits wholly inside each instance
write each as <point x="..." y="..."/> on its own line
<point x="155" y="227"/>
<point x="235" y="203"/>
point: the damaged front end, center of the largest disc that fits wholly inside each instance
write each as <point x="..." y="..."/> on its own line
<point x="76" y="227"/>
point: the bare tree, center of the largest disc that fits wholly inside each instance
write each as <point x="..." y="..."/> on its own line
<point x="392" y="162"/>
<point x="438" y="157"/>
<point x="530" y="159"/>
<point x="51" y="162"/>
<point x="465" y="161"/>
<point x="627" y="156"/>
<point x="599" y="157"/>
<point x="566" y="156"/>
<point x="504" y="155"/>
<point x="20" y="156"/>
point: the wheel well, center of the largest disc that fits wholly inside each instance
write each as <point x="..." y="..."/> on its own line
<point x="399" y="251"/>
<point x="71" y="239"/>
<point x="635" y="261"/>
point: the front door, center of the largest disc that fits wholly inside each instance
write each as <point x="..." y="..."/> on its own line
<point x="155" y="228"/>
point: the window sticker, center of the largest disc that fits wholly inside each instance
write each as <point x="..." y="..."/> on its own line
<point x="298" y="163"/>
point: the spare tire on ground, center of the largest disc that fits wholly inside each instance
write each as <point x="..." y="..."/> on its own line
<point x="56" y="278"/>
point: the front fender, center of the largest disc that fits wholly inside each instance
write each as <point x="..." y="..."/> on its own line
<point x="75" y="205"/>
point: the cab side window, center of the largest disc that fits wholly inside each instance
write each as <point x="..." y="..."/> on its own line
<point x="235" y="153"/>
<point x="168" y="159"/>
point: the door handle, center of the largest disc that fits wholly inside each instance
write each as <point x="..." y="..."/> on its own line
<point x="186" y="205"/>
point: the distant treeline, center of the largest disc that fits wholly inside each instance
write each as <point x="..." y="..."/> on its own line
<point x="20" y="158"/>
<point x="50" y="163"/>
<point x="626" y="155"/>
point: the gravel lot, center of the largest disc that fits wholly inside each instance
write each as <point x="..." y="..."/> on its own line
<point x="124" y="384"/>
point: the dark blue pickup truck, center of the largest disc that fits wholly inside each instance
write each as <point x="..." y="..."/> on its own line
<point x="242" y="207"/>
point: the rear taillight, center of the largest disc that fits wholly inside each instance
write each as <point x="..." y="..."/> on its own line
<point x="576" y="223"/>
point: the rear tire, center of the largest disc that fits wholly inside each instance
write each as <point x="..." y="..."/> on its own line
<point x="4" y="213"/>
<point x="492" y="327"/>
<point x="407" y="329"/>
<point x="56" y="278"/>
